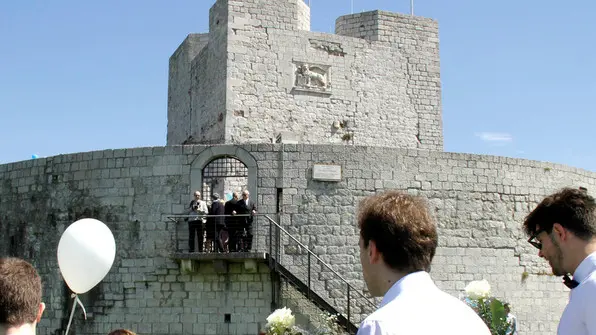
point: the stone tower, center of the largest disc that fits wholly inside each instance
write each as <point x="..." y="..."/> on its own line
<point x="260" y="76"/>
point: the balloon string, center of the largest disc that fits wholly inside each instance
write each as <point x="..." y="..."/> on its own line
<point x="75" y="301"/>
<point x="74" y="304"/>
<point x="81" y="304"/>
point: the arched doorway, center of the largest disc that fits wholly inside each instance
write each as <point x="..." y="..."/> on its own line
<point x="211" y="154"/>
<point x="224" y="175"/>
<point x="225" y="169"/>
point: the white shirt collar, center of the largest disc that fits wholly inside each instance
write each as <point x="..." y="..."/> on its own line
<point x="587" y="266"/>
<point x="413" y="281"/>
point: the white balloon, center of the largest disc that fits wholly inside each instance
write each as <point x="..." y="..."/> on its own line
<point x="86" y="253"/>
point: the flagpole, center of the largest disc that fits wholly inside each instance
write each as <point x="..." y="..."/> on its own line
<point x="412" y="7"/>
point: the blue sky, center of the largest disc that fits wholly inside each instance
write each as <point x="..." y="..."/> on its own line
<point x="517" y="76"/>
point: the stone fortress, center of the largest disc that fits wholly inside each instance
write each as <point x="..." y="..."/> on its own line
<point x="309" y="123"/>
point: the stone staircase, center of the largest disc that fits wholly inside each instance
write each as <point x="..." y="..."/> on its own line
<point x="311" y="288"/>
<point x="307" y="313"/>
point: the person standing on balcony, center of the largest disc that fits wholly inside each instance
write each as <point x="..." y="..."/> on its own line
<point x="217" y="223"/>
<point x="398" y="240"/>
<point x="230" y="209"/>
<point x="196" y="222"/>
<point x="246" y="206"/>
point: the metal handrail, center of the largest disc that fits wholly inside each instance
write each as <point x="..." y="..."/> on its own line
<point x="175" y="217"/>
<point x="181" y="216"/>
<point x="350" y="288"/>
<point x="319" y="259"/>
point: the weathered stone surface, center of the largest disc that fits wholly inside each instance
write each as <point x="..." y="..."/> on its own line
<point x="245" y="85"/>
<point x="479" y="203"/>
<point x="235" y="86"/>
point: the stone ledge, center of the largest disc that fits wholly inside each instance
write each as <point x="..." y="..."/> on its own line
<point x="231" y="256"/>
<point x="302" y="90"/>
<point x="191" y="262"/>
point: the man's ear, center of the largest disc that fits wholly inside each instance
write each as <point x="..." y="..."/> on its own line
<point x="560" y="231"/>
<point x="42" y="308"/>
<point x="373" y="253"/>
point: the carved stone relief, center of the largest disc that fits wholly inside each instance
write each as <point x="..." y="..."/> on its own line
<point x="312" y="77"/>
<point x="331" y="48"/>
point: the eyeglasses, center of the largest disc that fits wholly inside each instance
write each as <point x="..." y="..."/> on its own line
<point x="533" y="241"/>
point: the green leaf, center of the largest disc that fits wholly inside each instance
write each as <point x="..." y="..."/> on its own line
<point x="499" y="317"/>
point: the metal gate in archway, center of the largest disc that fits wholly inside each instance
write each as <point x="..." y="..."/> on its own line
<point x="224" y="175"/>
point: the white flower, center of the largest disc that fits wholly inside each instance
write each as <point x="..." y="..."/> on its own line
<point x="478" y="289"/>
<point x="281" y="319"/>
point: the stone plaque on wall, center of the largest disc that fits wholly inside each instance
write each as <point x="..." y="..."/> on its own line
<point x="310" y="77"/>
<point x="326" y="172"/>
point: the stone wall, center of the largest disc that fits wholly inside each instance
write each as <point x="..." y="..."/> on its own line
<point x="131" y="191"/>
<point x="152" y="296"/>
<point x="250" y="82"/>
<point x="303" y="15"/>
<point x="179" y="88"/>
<point x="417" y="40"/>
<point x="479" y="202"/>
<point x="280" y="14"/>
<point x="360" y="25"/>
<point x="208" y="78"/>
<point x="128" y="190"/>
<point x="367" y="102"/>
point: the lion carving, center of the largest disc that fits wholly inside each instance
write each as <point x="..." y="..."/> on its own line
<point x="311" y="78"/>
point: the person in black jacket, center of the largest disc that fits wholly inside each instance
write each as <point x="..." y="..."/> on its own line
<point x="217" y="223"/>
<point x="231" y="222"/>
<point x="246" y="206"/>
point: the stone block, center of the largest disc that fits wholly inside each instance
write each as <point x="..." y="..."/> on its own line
<point x="189" y="266"/>
<point x="220" y="266"/>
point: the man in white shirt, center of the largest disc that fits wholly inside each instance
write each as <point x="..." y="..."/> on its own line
<point x="196" y="223"/>
<point x="398" y="239"/>
<point x="20" y="297"/>
<point x="563" y="228"/>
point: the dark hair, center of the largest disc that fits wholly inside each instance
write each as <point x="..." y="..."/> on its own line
<point x="402" y="229"/>
<point x="572" y="208"/>
<point x="121" y="332"/>
<point x="20" y="292"/>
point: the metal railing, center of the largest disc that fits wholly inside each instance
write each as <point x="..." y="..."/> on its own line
<point x="218" y="233"/>
<point x="328" y="283"/>
<point x="286" y="252"/>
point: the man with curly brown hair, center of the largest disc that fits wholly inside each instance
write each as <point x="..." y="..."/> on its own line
<point x="20" y="297"/>
<point x="563" y="228"/>
<point x="398" y="240"/>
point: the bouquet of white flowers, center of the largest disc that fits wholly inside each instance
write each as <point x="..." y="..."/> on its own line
<point x="283" y="322"/>
<point x="490" y="309"/>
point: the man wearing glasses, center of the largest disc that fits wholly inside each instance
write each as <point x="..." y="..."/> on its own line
<point x="563" y="228"/>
